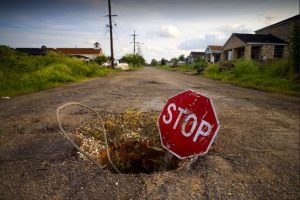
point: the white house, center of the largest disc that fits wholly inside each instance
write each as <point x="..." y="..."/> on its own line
<point x="213" y="53"/>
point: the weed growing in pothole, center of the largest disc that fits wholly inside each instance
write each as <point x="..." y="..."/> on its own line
<point x="134" y="142"/>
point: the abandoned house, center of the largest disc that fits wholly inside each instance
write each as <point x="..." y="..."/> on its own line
<point x="268" y="43"/>
<point x="281" y="29"/>
<point x="254" y="46"/>
<point x="194" y="56"/>
<point x="213" y="53"/>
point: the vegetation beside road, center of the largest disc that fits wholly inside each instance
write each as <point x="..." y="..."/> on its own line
<point x="274" y="76"/>
<point x="21" y="73"/>
<point x="280" y="76"/>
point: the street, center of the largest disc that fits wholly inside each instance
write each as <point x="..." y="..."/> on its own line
<point x="255" y="155"/>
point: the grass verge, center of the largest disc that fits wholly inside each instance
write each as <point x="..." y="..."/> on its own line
<point x="21" y="73"/>
<point x="274" y="76"/>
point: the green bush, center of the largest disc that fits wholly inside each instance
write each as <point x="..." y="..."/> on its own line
<point x="278" y="68"/>
<point x="212" y="69"/>
<point x="275" y="76"/>
<point x="21" y="73"/>
<point x="245" y="67"/>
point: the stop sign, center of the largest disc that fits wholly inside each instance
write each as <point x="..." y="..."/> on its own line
<point x="188" y="124"/>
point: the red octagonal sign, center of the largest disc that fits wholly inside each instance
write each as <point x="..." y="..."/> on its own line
<point x="188" y="124"/>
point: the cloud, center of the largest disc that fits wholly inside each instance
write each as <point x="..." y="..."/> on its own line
<point x="201" y="42"/>
<point x="234" y="28"/>
<point x="169" y="31"/>
<point x="268" y="18"/>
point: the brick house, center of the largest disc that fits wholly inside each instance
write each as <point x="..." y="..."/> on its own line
<point x="213" y="53"/>
<point x="280" y="29"/>
<point x="268" y="43"/>
<point x="254" y="46"/>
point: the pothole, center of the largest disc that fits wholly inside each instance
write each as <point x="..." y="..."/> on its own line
<point x="133" y="139"/>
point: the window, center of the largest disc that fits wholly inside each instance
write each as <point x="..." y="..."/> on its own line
<point x="278" y="51"/>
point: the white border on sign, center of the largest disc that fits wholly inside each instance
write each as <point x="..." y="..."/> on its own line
<point x="212" y="140"/>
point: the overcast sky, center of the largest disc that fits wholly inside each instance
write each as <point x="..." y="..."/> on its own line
<point x="167" y="28"/>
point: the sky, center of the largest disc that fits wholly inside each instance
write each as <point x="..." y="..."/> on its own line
<point x="165" y="28"/>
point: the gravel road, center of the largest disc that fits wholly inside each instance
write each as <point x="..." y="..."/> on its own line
<point x="255" y="156"/>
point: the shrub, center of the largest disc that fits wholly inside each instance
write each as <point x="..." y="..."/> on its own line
<point x="21" y="73"/>
<point x="278" y="68"/>
<point x="245" y="67"/>
<point x="212" y="69"/>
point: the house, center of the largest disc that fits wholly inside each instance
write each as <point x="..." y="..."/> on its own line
<point x="253" y="46"/>
<point x="35" y="51"/>
<point x="270" y="42"/>
<point x="194" y="56"/>
<point x="88" y="53"/>
<point x="213" y="53"/>
<point x="280" y="29"/>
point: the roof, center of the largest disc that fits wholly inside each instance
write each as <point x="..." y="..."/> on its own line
<point x="79" y="50"/>
<point x="33" y="51"/>
<point x="259" y="38"/>
<point x="294" y="18"/>
<point x="197" y="54"/>
<point x="215" y="48"/>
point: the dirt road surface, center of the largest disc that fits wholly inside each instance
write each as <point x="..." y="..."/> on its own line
<point x="255" y="156"/>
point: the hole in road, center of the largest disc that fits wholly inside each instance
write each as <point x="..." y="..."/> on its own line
<point x="134" y="143"/>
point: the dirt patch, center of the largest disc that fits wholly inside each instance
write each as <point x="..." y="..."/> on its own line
<point x="133" y="140"/>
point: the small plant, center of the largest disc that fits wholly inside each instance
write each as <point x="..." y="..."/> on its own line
<point x="200" y="65"/>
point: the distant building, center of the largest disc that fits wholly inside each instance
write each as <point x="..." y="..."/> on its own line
<point x="35" y="51"/>
<point x="89" y="53"/>
<point x="213" y="53"/>
<point x="194" y="56"/>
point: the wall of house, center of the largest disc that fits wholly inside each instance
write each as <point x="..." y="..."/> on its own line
<point x="247" y="55"/>
<point x="281" y="31"/>
<point x="267" y="51"/>
<point x="286" y="52"/>
<point x="234" y="42"/>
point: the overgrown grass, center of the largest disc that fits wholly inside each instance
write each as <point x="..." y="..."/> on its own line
<point x="274" y="76"/>
<point x="182" y="68"/>
<point x="20" y="73"/>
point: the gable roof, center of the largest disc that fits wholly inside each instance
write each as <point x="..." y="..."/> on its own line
<point x="215" y="48"/>
<point x="294" y="18"/>
<point x="197" y="54"/>
<point x="70" y="51"/>
<point x="259" y="38"/>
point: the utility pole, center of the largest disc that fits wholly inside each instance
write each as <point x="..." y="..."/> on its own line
<point x="134" y="42"/>
<point x="111" y="35"/>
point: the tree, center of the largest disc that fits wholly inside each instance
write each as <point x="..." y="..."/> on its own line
<point x="174" y="62"/>
<point x="181" y="58"/>
<point x="154" y="62"/>
<point x="200" y="65"/>
<point x="101" y="59"/>
<point x="130" y="58"/>
<point x="163" y="61"/>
